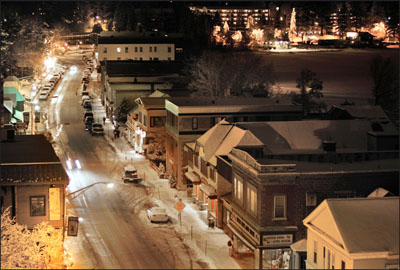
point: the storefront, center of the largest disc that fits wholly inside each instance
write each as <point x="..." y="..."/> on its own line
<point x="270" y="250"/>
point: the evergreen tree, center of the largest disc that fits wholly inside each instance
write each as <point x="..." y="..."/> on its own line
<point x="123" y="109"/>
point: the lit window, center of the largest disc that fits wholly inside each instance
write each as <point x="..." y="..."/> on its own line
<point x="118" y="49"/>
<point x="238" y="188"/>
<point x="38" y="206"/>
<point x="280" y="206"/>
<point x="252" y="199"/>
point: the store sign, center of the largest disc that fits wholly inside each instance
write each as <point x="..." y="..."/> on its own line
<point x="277" y="240"/>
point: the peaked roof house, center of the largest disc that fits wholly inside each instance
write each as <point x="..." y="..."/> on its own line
<point x="354" y="233"/>
<point x="32" y="180"/>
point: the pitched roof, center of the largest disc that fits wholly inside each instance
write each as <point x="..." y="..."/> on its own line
<point x="30" y="159"/>
<point x="363" y="111"/>
<point x="352" y="223"/>
<point x="27" y="149"/>
<point x="356" y="220"/>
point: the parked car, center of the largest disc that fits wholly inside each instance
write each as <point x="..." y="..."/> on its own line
<point x="93" y="126"/>
<point x="84" y="98"/>
<point x="97" y="130"/>
<point x="86" y="114"/>
<point x="88" y="122"/>
<point x="85" y="93"/>
<point x="45" y="89"/>
<point x="157" y="214"/>
<point x="85" y="79"/>
<point x="87" y="104"/>
<point x="130" y="174"/>
<point x="49" y="85"/>
<point x="43" y="96"/>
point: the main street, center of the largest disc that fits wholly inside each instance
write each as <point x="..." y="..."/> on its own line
<point x="110" y="234"/>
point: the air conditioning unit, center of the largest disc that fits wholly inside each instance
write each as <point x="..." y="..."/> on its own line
<point x="311" y="199"/>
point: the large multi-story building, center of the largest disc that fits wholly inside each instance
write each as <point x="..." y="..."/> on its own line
<point x="275" y="186"/>
<point x="189" y="118"/>
<point x="139" y="46"/>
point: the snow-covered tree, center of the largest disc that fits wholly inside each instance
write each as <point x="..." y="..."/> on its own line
<point x="40" y="248"/>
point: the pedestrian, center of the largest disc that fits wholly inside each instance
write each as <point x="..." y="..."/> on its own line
<point x="118" y="133"/>
<point x="230" y="248"/>
<point x="115" y="133"/>
<point x="104" y="120"/>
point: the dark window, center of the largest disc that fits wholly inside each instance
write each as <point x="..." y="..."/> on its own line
<point x="157" y="121"/>
<point x="135" y="49"/>
<point x="105" y="50"/>
<point x="126" y="49"/>
<point x="140" y="117"/>
<point x="169" y="49"/>
<point x="118" y="58"/>
<point x="155" y="58"/>
<point x="141" y="49"/>
<point x="144" y="120"/>
<point x="38" y="206"/>
<point x="194" y="123"/>
<point x="155" y="49"/>
<point x="343" y="265"/>
<point x="151" y="49"/>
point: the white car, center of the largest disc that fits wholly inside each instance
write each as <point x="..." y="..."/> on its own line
<point x="130" y="174"/>
<point x="84" y="98"/>
<point x="43" y="95"/>
<point x="157" y="214"/>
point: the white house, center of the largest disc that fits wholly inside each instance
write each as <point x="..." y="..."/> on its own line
<point x="354" y="233"/>
<point x="137" y="46"/>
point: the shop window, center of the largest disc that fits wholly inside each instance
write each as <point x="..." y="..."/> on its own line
<point x="238" y="188"/>
<point x="276" y="258"/>
<point x="251" y="199"/>
<point x="280" y="206"/>
<point x="38" y="206"/>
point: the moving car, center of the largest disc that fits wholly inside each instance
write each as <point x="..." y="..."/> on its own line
<point x="157" y="214"/>
<point x="88" y="122"/>
<point x="87" y="105"/>
<point x="86" y="114"/>
<point x="129" y="174"/>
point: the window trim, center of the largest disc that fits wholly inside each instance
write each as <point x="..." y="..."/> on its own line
<point x="44" y="205"/>
<point x="284" y="207"/>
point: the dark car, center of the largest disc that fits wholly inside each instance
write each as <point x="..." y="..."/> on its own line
<point x="95" y="125"/>
<point x="87" y="105"/>
<point x="97" y="130"/>
<point x="88" y="122"/>
<point x="86" y="114"/>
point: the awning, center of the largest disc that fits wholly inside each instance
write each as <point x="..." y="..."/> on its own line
<point x="209" y="190"/>
<point x="193" y="177"/>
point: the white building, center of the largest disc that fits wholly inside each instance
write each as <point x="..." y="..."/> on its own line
<point x="138" y="46"/>
<point x="354" y="233"/>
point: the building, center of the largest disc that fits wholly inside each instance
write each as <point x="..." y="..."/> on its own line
<point x="201" y="157"/>
<point x="134" y="79"/>
<point x="354" y="233"/>
<point x="13" y="100"/>
<point x="189" y="118"/>
<point x="146" y="125"/>
<point x="139" y="46"/>
<point x="32" y="180"/>
<point x="357" y="112"/>
<point x="301" y="163"/>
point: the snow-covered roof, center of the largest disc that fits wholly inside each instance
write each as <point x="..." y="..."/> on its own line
<point x="364" y="111"/>
<point x="153" y="101"/>
<point x="221" y="138"/>
<point x="360" y="225"/>
<point x="309" y="135"/>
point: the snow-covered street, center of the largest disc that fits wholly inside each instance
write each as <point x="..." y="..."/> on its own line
<point x="114" y="231"/>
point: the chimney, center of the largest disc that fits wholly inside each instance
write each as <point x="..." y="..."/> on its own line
<point x="10" y="134"/>
<point x="329" y="146"/>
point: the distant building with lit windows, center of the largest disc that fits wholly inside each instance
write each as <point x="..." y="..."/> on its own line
<point x="139" y="46"/>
